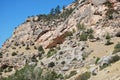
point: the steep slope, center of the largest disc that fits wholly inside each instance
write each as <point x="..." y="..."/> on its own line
<point x="67" y="43"/>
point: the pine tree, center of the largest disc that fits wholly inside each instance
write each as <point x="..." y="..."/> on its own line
<point x="52" y="11"/>
<point x="57" y="10"/>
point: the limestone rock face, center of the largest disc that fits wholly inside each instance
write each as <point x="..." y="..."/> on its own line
<point x="41" y="39"/>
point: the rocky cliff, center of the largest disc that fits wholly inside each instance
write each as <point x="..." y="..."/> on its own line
<point x="81" y="39"/>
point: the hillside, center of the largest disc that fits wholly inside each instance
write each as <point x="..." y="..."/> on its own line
<point x="82" y="42"/>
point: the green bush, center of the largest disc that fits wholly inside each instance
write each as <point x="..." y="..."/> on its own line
<point x="116" y="48"/>
<point x="85" y="76"/>
<point x="40" y="49"/>
<point x="108" y="37"/>
<point x="14" y="54"/>
<point x="115" y="58"/>
<point x="97" y="59"/>
<point x="51" y="52"/>
<point x="83" y="36"/>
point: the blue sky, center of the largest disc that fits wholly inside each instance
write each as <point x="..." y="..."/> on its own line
<point x="14" y="12"/>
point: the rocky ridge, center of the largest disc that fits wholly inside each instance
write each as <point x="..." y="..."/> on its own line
<point x="64" y="41"/>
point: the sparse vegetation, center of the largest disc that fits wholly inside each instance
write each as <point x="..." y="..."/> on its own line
<point x="110" y="11"/>
<point x="80" y="26"/>
<point x="66" y="12"/>
<point x="29" y="73"/>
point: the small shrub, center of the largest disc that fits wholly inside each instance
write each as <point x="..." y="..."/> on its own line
<point x="108" y="36"/>
<point x="108" y="42"/>
<point x="69" y="34"/>
<point x="14" y="54"/>
<point x="85" y="76"/>
<point x="97" y="59"/>
<point x="51" y="52"/>
<point x="83" y="36"/>
<point x="40" y="49"/>
<point x="90" y="31"/>
<point x="51" y="64"/>
<point x="63" y="62"/>
<point x="34" y="58"/>
<point x="116" y="48"/>
<point x="80" y="26"/>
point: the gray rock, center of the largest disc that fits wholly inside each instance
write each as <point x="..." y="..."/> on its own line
<point x="98" y="2"/>
<point x="65" y="68"/>
<point x="36" y="18"/>
<point x="93" y="69"/>
<point x="105" y="60"/>
<point x="38" y="31"/>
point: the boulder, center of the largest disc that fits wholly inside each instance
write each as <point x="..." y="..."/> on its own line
<point x="93" y="69"/>
<point x="65" y="68"/>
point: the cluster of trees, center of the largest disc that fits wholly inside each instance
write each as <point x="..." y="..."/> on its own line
<point x="55" y="11"/>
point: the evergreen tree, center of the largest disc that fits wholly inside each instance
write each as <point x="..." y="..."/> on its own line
<point x="52" y="11"/>
<point x="57" y="10"/>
